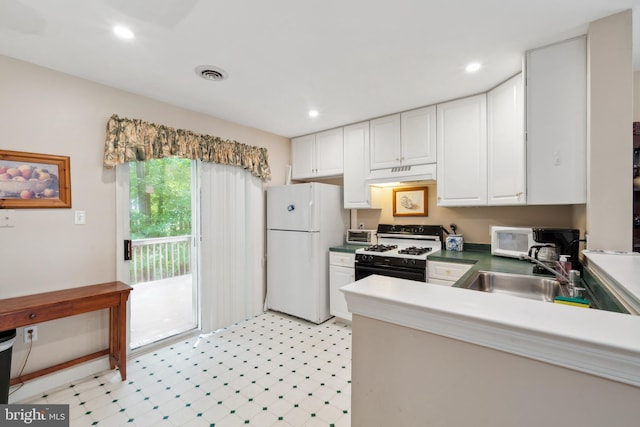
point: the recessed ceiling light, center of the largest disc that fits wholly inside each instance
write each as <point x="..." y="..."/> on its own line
<point x="123" y="32"/>
<point x="313" y="113"/>
<point x="473" y="67"/>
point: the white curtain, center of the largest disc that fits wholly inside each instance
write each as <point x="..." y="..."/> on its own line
<point x="232" y="246"/>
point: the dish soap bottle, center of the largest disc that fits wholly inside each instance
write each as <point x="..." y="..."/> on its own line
<point x="565" y="264"/>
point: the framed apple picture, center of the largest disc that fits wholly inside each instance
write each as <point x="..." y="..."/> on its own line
<point x="31" y="180"/>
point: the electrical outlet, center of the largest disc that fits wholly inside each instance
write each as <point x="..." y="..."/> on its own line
<point x="34" y="334"/>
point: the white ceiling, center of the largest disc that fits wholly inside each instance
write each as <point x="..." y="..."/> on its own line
<point x="350" y="59"/>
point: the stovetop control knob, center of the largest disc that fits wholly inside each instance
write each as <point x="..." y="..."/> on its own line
<point x="413" y="261"/>
<point x="405" y="261"/>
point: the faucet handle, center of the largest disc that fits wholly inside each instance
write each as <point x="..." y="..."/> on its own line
<point x="575" y="290"/>
<point x="574" y="277"/>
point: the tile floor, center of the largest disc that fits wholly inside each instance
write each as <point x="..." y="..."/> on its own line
<point x="271" y="370"/>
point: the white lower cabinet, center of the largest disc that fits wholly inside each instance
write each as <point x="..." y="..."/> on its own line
<point x="341" y="273"/>
<point x="445" y="273"/>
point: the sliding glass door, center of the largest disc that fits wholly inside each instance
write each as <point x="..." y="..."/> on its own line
<point x="157" y="215"/>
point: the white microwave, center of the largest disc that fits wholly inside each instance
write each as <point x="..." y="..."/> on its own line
<point x="512" y="242"/>
<point x="361" y="237"/>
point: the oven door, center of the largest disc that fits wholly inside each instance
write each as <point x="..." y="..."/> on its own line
<point x="362" y="271"/>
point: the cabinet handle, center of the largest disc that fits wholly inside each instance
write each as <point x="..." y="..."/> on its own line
<point x="32" y="316"/>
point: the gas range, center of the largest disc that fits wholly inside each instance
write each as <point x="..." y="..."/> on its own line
<point x="401" y="252"/>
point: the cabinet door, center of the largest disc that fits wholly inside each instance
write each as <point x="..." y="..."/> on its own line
<point x="339" y="277"/>
<point x="450" y="271"/>
<point x="556" y="86"/>
<point x="302" y="157"/>
<point x="329" y="153"/>
<point x="385" y="142"/>
<point x="462" y="152"/>
<point x="418" y="136"/>
<point x="506" y="160"/>
<point x="357" y="193"/>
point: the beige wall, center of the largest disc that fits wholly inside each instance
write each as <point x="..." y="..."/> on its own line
<point x="473" y="222"/>
<point x="45" y="111"/>
<point x="405" y="377"/>
<point x="610" y="167"/>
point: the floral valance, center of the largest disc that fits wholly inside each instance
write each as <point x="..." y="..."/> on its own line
<point x="132" y="140"/>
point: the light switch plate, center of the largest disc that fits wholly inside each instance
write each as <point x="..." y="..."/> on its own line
<point x="7" y="218"/>
<point x="81" y="217"/>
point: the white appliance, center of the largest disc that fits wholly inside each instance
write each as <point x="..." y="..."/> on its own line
<point x="511" y="242"/>
<point x="401" y="252"/>
<point x="361" y="237"/>
<point x="303" y="222"/>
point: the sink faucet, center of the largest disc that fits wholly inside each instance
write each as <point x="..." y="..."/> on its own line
<point x="571" y="278"/>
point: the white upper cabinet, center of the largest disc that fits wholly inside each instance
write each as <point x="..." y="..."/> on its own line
<point x="404" y="139"/>
<point x="506" y="156"/>
<point x="462" y="152"/>
<point x="357" y="193"/>
<point x="385" y="142"/>
<point x="318" y="155"/>
<point x="418" y="136"/>
<point x="556" y="87"/>
<point x="329" y="161"/>
<point x="303" y="156"/>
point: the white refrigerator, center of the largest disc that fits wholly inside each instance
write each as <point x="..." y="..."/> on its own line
<point x="303" y="222"/>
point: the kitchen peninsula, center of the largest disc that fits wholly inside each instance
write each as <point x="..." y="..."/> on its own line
<point x="452" y="356"/>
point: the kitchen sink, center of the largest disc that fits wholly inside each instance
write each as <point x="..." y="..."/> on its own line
<point x="517" y="285"/>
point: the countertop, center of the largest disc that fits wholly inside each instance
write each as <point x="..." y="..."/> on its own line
<point x="479" y="255"/>
<point x="621" y="271"/>
<point x="597" y="342"/>
<point x="346" y="247"/>
<point x="481" y="258"/>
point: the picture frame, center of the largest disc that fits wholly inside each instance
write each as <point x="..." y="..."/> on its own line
<point x="34" y="181"/>
<point x="410" y="201"/>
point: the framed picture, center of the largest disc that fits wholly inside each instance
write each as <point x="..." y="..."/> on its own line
<point x="410" y="201"/>
<point x="31" y="180"/>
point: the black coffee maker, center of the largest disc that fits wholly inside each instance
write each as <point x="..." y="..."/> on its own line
<point x="561" y="241"/>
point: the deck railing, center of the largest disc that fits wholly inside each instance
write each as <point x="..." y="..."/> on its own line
<point x="160" y="258"/>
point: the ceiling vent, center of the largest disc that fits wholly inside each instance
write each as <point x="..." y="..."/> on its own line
<point x="209" y="72"/>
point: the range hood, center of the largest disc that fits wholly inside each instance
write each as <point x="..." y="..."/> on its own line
<point x="403" y="173"/>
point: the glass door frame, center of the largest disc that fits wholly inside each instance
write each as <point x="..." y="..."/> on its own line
<point x="123" y="233"/>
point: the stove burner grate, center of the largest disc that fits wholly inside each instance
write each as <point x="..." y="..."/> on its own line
<point x="414" y="250"/>
<point x="380" y="248"/>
